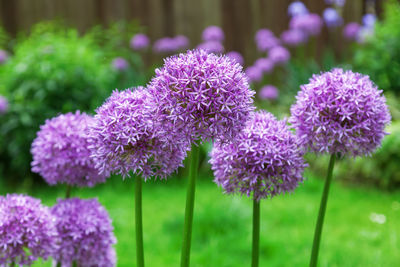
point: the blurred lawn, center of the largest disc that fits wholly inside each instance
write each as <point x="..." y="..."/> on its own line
<point x="222" y="224"/>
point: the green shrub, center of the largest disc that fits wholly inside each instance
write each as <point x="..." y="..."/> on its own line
<point x="52" y="71"/>
<point x="379" y="57"/>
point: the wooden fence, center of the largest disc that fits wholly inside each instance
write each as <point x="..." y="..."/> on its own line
<point x="239" y="18"/>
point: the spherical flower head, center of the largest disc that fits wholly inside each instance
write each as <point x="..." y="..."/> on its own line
<point x="165" y="45"/>
<point x="120" y="64"/>
<point x="365" y="34"/>
<point x="297" y="8"/>
<point x="293" y="37"/>
<point x="263" y="34"/>
<point x="60" y="151"/>
<point x="263" y="45"/>
<point x="3" y="56"/>
<point x="266" y="65"/>
<point x="126" y="137"/>
<point x="3" y="104"/>
<point x="213" y="33"/>
<point x="269" y="92"/>
<point x="254" y="74"/>
<point x="181" y="42"/>
<point x="311" y="23"/>
<point x="279" y="55"/>
<point x="236" y="56"/>
<point x="212" y="47"/>
<point x="351" y="30"/>
<point x="332" y="18"/>
<point x="27" y="231"/>
<point x="207" y="96"/>
<point x="86" y="233"/>
<point x="262" y="162"/>
<point x="369" y="20"/>
<point x="340" y="112"/>
<point x="139" y="42"/>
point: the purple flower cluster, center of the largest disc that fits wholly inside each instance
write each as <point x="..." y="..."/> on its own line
<point x="332" y="18"/>
<point x="212" y="47"/>
<point x="27" y="231"/>
<point x="279" y="55"/>
<point x="266" y="65"/>
<point x="340" y="112"/>
<point x="293" y="37"/>
<point x="170" y="45"/>
<point x="269" y="92"/>
<point x="126" y="136"/>
<point x="213" y="33"/>
<point x="139" y="41"/>
<point x="3" y="56"/>
<point x="297" y="8"/>
<point x="254" y="74"/>
<point x="311" y="24"/>
<point x="351" y="31"/>
<point x="236" y="56"/>
<point x="60" y="151"/>
<point x="86" y="233"/>
<point x="265" y="41"/>
<point x="263" y="161"/>
<point x="206" y="96"/>
<point x="120" y="64"/>
<point x="3" y="104"/>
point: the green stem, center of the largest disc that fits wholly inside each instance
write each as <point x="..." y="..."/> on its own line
<point x="256" y="234"/>
<point x="68" y="192"/>
<point x="187" y="230"/>
<point x="138" y="222"/>
<point x="321" y="214"/>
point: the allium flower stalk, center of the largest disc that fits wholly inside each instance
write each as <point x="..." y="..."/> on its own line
<point x="60" y="151"/>
<point x="139" y="42"/>
<point x="207" y="97"/>
<point x="213" y="33"/>
<point x="263" y="161"/>
<point x="27" y="231"/>
<point x="86" y="233"/>
<point x="341" y="113"/>
<point x="3" y="105"/>
<point x="269" y="92"/>
<point x="236" y="56"/>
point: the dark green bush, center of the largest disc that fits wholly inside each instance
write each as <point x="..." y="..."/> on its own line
<point x="379" y="57"/>
<point x="52" y="71"/>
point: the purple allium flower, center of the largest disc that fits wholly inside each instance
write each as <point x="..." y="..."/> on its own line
<point x="60" y="151"/>
<point x="213" y="33"/>
<point x="126" y="136"/>
<point x="332" y="18"/>
<point x="293" y="37"/>
<point x="212" y="47"/>
<point x="27" y="231"/>
<point x="263" y="45"/>
<point x="207" y="96"/>
<point x="297" y="8"/>
<point x="279" y="55"/>
<point x="236" y="56"/>
<point x="3" y="104"/>
<point x="262" y="162"/>
<point x="140" y="41"/>
<point x="254" y="74"/>
<point x="269" y="92"/>
<point x="181" y="42"/>
<point x="364" y="34"/>
<point x="266" y="65"/>
<point x="3" y="56"/>
<point x="263" y="34"/>
<point x="86" y="233"/>
<point x="351" y="30"/>
<point x="369" y="20"/>
<point x="120" y="64"/>
<point x="340" y="112"/>
<point x="311" y="24"/>
<point x="164" y="45"/>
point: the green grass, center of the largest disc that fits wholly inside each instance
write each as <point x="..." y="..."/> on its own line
<point x="222" y="224"/>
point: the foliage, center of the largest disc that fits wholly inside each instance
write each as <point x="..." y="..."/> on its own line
<point x="53" y="71"/>
<point x="379" y="57"/>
